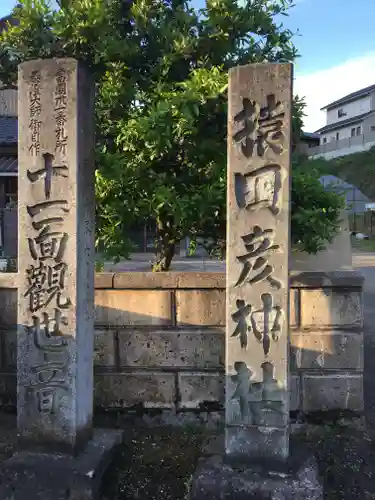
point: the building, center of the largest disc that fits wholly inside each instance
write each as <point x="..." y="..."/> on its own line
<point x="350" y="125"/>
<point x="8" y="165"/>
<point x="8" y="173"/>
<point x="355" y="201"/>
<point x="307" y="141"/>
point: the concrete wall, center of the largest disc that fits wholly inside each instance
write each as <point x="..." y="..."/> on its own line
<point x="159" y="340"/>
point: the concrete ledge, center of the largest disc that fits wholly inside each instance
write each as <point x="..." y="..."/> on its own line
<point x="8" y="280"/>
<point x="204" y="280"/>
<point x="104" y="280"/>
<point x="156" y="281"/>
<point x="323" y="279"/>
<point x="56" y="477"/>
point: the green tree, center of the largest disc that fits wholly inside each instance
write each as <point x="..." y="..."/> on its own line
<point x="161" y="109"/>
<point x="315" y="212"/>
<point x="161" y="71"/>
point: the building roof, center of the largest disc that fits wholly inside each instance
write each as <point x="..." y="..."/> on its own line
<point x="8" y="165"/>
<point x="343" y="123"/>
<point x="350" y="97"/>
<point x="8" y="130"/>
<point x="310" y="135"/>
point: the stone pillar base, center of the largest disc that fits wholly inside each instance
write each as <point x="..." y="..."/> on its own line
<point x="46" y="476"/>
<point x="216" y="479"/>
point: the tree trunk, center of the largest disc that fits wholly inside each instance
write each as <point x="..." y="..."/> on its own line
<point x="166" y="246"/>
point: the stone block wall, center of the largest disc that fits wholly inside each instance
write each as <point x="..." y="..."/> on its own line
<point x="159" y="341"/>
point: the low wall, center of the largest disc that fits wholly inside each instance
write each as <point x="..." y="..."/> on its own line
<point x="159" y="340"/>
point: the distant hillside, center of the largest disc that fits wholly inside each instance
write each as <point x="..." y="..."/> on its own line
<point x="357" y="169"/>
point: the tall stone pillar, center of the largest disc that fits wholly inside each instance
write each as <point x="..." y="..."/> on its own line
<point x="259" y="136"/>
<point x="56" y="254"/>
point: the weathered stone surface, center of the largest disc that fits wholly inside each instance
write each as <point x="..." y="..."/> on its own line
<point x="323" y="279"/>
<point x="202" y="280"/>
<point x="171" y="280"/>
<point x="125" y="390"/>
<point x="9" y="280"/>
<point x="295" y="392"/>
<point x="215" y="479"/>
<point x="104" y="348"/>
<point x="56" y="253"/>
<point x="331" y="307"/>
<point x="42" y="476"/>
<point x="332" y="392"/>
<point x="327" y="350"/>
<point x="104" y="280"/>
<point x="200" y="307"/>
<point x="252" y="443"/>
<point x="198" y="389"/>
<point x="258" y="214"/>
<point x="294" y="311"/>
<point x="172" y="349"/>
<point x="148" y="280"/>
<point x="136" y="307"/>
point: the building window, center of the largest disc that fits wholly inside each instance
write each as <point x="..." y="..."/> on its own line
<point x="353" y="132"/>
<point x="372" y="128"/>
<point x="359" y="130"/>
<point x="324" y="140"/>
<point x="337" y="136"/>
<point x="340" y="113"/>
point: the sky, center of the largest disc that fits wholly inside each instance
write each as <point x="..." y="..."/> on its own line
<point x="336" y="45"/>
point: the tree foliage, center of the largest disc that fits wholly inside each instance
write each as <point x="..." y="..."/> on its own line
<point x="161" y="109"/>
<point x="315" y="212"/>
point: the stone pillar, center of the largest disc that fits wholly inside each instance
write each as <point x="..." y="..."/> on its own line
<point x="259" y="128"/>
<point x="55" y="255"/>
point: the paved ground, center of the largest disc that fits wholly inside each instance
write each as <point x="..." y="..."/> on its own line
<point x="142" y="262"/>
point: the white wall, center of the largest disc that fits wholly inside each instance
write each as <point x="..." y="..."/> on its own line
<point x="351" y="109"/>
<point x="329" y="155"/>
<point x="344" y="133"/>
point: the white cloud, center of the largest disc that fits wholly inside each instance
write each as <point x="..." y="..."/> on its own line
<point x="322" y="87"/>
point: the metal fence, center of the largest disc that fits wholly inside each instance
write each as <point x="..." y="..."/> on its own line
<point x="362" y="223"/>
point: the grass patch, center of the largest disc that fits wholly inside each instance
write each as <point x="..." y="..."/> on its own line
<point x="364" y="245"/>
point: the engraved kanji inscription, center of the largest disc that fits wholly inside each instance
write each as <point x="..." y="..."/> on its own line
<point x="48" y="245"/>
<point x="49" y="398"/>
<point x="266" y="322"/>
<point x="48" y="331"/>
<point x="45" y="283"/>
<point x="47" y="172"/>
<point x="61" y="103"/>
<point x="260" y="188"/>
<point x="261" y="403"/>
<point x="262" y="126"/>
<point x="240" y="317"/>
<point x="35" y="110"/>
<point x="34" y="210"/>
<point x="259" y="245"/>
